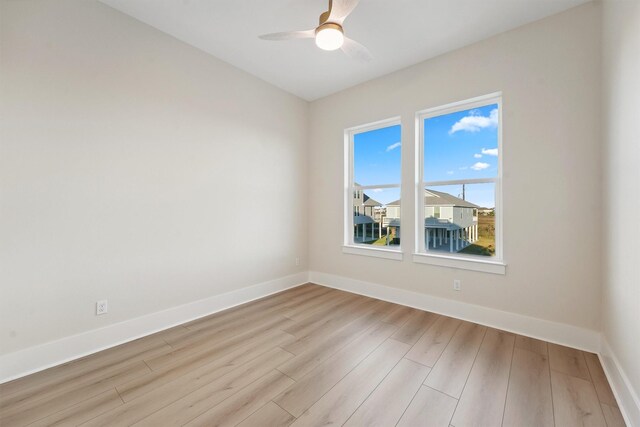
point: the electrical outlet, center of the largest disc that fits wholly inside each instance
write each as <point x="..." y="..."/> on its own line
<point x="101" y="307"/>
<point x="297" y="261"/>
<point x="457" y="285"/>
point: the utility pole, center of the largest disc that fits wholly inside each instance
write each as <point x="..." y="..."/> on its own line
<point x="463" y="192"/>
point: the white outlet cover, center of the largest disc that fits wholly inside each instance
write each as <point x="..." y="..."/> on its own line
<point x="457" y="285"/>
<point x="101" y="307"/>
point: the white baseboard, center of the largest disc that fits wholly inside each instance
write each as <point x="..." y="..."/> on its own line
<point x="34" y="359"/>
<point x="559" y="333"/>
<point x="627" y="397"/>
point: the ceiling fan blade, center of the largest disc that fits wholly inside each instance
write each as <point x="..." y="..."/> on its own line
<point x="340" y="9"/>
<point x="355" y="50"/>
<point x="289" y="35"/>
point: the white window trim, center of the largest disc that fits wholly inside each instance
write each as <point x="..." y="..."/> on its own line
<point x="494" y="264"/>
<point x="461" y="262"/>
<point x="394" y="254"/>
<point x="349" y="246"/>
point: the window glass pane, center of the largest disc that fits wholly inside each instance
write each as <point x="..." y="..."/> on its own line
<point x="466" y="219"/>
<point x="377" y="156"/>
<point x="376" y="219"/>
<point x="462" y="145"/>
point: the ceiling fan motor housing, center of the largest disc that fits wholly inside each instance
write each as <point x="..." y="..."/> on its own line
<point x="329" y="25"/>
<point x="329" y="36"/>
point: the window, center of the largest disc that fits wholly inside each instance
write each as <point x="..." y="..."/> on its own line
<point x="372" y="174"/>
<point x="458" y="175"/>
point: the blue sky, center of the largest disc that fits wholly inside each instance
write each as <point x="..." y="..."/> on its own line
<point x="462" y="145"/>
<point x="377" y="156"/>
<point x="459" y="145"/>
<point x="377" y="161"/>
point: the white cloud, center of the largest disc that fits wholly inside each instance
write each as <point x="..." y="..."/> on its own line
<point x="394" y="146"/>
<point x="490" y="151"/>
<point x="463" y="168"/>
<point x="377" y="190"/>
<point x="449" y="172"/>
<point x="477" y="156"/>
<point x="474" y="122"/>
<point x="480" y="166"/>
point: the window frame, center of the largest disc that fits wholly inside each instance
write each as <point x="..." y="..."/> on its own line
<point x="349" y="246"/>
<point x="495" y="264"/>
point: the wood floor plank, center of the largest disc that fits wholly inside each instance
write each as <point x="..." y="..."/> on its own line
<point x="385" y="308"/>
<point x="227" y="387"/>
<point x="83" y="411"/>
<point x="299" y="312"/>
<point x="307" y="360"/>
<point x="529" y="402"/>
<point x="312" y="334"/>
<point x="343" y="399"/>
<point x="450" y="372"/>
<point x="43" y="404"/>
<point x="333" y="305"/>
<point x="612" y="416"/>
<point x="212" y="343"/>
<point x="429" y="408"/>
<point x="399" y="315"/>
<point x="276" y="306"/>
<point x="327" y="317"/>
<point x="190" y="395"/>
<point x="568" y="361"/>
<point x="575" y="402"/>
<point x="280" y="300"/>
<point x="415" y="326"/>
<point x="225" y="357"/>
<point x="599" y="379"/>
<point x="532" y="344"/>
<point x="430" y="346"/>
<point x="242" y="404"/>
<point x="81" y="372"/>
<point x="368" y="314"/>
<point x="270" y="415"/>
<point x="489" y="376"/>
<point x="172" y="333"/>
<point x="305" y="392"/>
<point x="226" y="329"/>
<point x="387" y="403"/>
<point x="300" y="308"/>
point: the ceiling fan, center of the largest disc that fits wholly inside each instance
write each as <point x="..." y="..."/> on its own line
<point x="329" y="34"/>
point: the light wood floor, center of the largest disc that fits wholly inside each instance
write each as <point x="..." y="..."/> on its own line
<point x="317" y="356"/>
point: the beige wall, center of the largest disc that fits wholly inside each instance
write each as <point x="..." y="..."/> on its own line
<point x="121" y="150"/>
<point x="549" y="73"/>
<point x="621" y="149"/>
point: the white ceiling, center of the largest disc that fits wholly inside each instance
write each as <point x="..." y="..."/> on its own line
<point x="398" y="33"/>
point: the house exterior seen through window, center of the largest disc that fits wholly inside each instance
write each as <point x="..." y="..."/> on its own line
<point x="460" y="180"/>
<point x="373" y="181"/>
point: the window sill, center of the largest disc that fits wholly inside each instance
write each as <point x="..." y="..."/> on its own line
<point x="485" y="266"/>
<point x="373" y="252"/>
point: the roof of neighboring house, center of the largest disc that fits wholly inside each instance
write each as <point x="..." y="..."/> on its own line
<point x="368" y="201"/>
<point x="438" y="198"/>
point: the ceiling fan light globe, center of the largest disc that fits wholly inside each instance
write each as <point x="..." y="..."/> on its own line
<point x="329" y="37"/>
